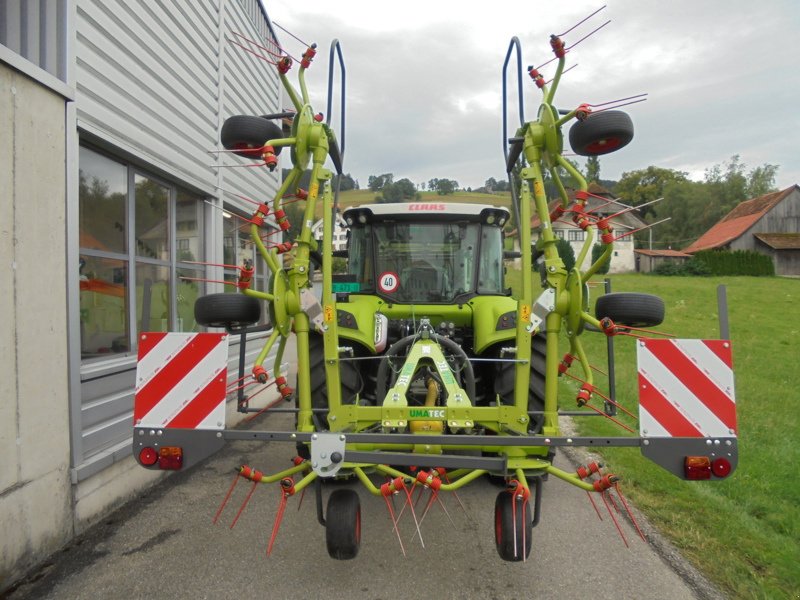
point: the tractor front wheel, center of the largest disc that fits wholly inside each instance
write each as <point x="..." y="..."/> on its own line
<point x="343" y="524"/>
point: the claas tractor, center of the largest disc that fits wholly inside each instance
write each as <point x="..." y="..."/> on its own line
<point x="418" y="371"/>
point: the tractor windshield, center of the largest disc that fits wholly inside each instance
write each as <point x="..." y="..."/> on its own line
<point x="427" y="262"/>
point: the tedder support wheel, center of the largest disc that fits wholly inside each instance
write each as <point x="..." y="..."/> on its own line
<point x="504" y="382"/>
<point x="227" y="310"/>
<point x="246" y="135"/>
<point x="633" y="310"/>
<point x="601" y="133"/>
<point x="343" y="524"/>
<point x="512" y="527"/>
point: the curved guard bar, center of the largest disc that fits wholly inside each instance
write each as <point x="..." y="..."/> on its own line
<point x="336" y="48"/>
<point x="514" y="43"/>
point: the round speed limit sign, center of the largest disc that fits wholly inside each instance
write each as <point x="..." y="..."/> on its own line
<point x="388" y="282"/>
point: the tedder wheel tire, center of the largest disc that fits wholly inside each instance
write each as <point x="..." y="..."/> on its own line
<point x="513" y="526"/>
<point x="343" y="524"/>
<point x="601" y="133"/>
<point x="227" y="310"/>
<point x="633" y="310"/>
<point x="504" y="382"/>
<point x="246" y="135"/>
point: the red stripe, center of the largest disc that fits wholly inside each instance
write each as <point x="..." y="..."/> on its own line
<point x="722" y="351"/>
<point x="173" y="372"/>
<point x="695" y="379"/>
<point x="203" y="403"/>
<point x="663" y="411"/>
<point x="148" y="341"/>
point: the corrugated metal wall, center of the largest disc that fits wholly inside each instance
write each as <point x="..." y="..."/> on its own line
<point x="155" y="79"/>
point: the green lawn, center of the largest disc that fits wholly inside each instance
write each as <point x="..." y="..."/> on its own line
<point x="744" y="532"/>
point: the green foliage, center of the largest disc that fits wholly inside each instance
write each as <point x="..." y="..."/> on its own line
<point x="339" y="265"/>
<point x="376" y="183"/>
<point x="693" y="266"/>
<point x="294" y="212"/>
<point x="738" y="262"/>
<point x="443" y="187"/>
<point x="645" y="185"/>
<point x="401" y="190"/>
<point x="592" y="169"/>
<point x="566" y="253"/>
<point x="597" y="250"/>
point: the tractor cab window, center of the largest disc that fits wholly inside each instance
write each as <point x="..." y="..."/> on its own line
<point x="490" y="273"/>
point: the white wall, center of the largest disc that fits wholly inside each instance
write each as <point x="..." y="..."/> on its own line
<point x="35" y="493"/>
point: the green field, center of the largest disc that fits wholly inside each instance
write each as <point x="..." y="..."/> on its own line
<point x="744" y="532"/>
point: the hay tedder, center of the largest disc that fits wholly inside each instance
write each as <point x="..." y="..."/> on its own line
<point x="418" y="372"/>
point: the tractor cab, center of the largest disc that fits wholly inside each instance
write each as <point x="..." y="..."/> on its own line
<point x="427" y="253"/>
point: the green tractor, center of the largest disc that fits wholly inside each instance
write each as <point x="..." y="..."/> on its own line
<point x="417" y="369"/>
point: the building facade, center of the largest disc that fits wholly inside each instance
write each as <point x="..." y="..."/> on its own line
<point x="111" y="112"/>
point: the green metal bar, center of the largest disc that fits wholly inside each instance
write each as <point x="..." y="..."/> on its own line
<point x="569" y="478"/>
<point x="548" y="97"/>
<point x="262" y="356"/>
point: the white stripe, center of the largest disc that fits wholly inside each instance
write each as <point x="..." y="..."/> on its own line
<point x="215" y="417"/>
<point x="158" y="357"/>
<point x="679" y="395"/>
<point x="187" y="389"/>
<point x="712" y="365"/>
<point x="649" y="427"/>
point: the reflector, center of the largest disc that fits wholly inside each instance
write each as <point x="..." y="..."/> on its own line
<point x="148" y="457"/>
<point x="697" y="467"/>
<point x="170" y="457"/>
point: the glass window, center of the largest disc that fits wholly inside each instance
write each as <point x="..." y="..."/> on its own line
<point x="102" y="194"/>
<point x="103" y="306"/>
<point x="575" y="235"/>
<point x="152" y="219"/>
<point x="490" y="275"/>
<point x="132" y="240"/>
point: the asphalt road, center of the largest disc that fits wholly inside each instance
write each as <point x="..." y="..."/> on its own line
<point x="163" y="545"/>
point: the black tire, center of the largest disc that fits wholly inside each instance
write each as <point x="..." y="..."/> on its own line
<point x="343" y="525"/>
<point x="512" y="546"/>
<point x="246" y="135"/>
<point x="227" y="310"/>
<point x="504" y="382"/>
<point x="601" y="133"/>
<point x="633" y="310"/>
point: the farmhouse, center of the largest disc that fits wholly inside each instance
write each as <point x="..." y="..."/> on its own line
<point x="648" y="260"/>
<point x="769" y="224"/>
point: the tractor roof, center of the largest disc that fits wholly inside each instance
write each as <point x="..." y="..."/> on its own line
<point x="422" y="210"/>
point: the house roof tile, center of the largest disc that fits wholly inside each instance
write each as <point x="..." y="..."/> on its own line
<point x="780" y="241"/>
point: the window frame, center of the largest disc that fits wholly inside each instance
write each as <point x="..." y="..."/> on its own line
<point x="131" y="258"/>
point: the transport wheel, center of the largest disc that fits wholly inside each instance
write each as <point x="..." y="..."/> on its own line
<point x="343" y="524"/>
<point x="504" y="382"/>
<point x="601" y="133"/>
<point x="627" y="308"/>
<point x="246" y="135"/>
<point x="511" y="527"/>
<point x="227" y="310"/>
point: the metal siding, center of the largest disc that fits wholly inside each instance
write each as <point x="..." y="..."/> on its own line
<point x="148" y="81"/>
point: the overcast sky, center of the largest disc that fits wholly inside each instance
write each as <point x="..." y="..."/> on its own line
<point x="424" y="80"/>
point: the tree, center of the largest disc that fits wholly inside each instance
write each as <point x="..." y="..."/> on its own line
<point x="644" y="185"/>
<point x="446" y="186"/>
<point x="597" y="251"/>
<point x="377" y="183"/>
<point x="566" y="253"/>
<point x="403" y="189"/>
<point x="761" y="180"/>
<point x="490" y="185"/>
<point x="346" y="182"/>
<point x="592" y="169"/>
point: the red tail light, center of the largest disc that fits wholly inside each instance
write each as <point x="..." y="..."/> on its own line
<point x="170" y="458"/>
<point x="697" y="467"/>
<point x="148" y="457"/>
<point x="721" y="467"/>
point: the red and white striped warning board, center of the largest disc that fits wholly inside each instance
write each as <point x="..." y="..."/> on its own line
<point x="686" y="388"/>
<point x="181" y="380"/>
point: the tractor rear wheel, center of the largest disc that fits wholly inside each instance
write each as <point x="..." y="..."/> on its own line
<point x="504" y="382"/>
<point x="512" y="527"/>
<point x="343" y="524"/>
<point x="246" y="135"/>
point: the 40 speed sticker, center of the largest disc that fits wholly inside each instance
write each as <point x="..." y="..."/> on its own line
<point x="388" y="282"/>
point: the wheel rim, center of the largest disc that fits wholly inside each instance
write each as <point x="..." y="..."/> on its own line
<point x="604" y="145"/>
